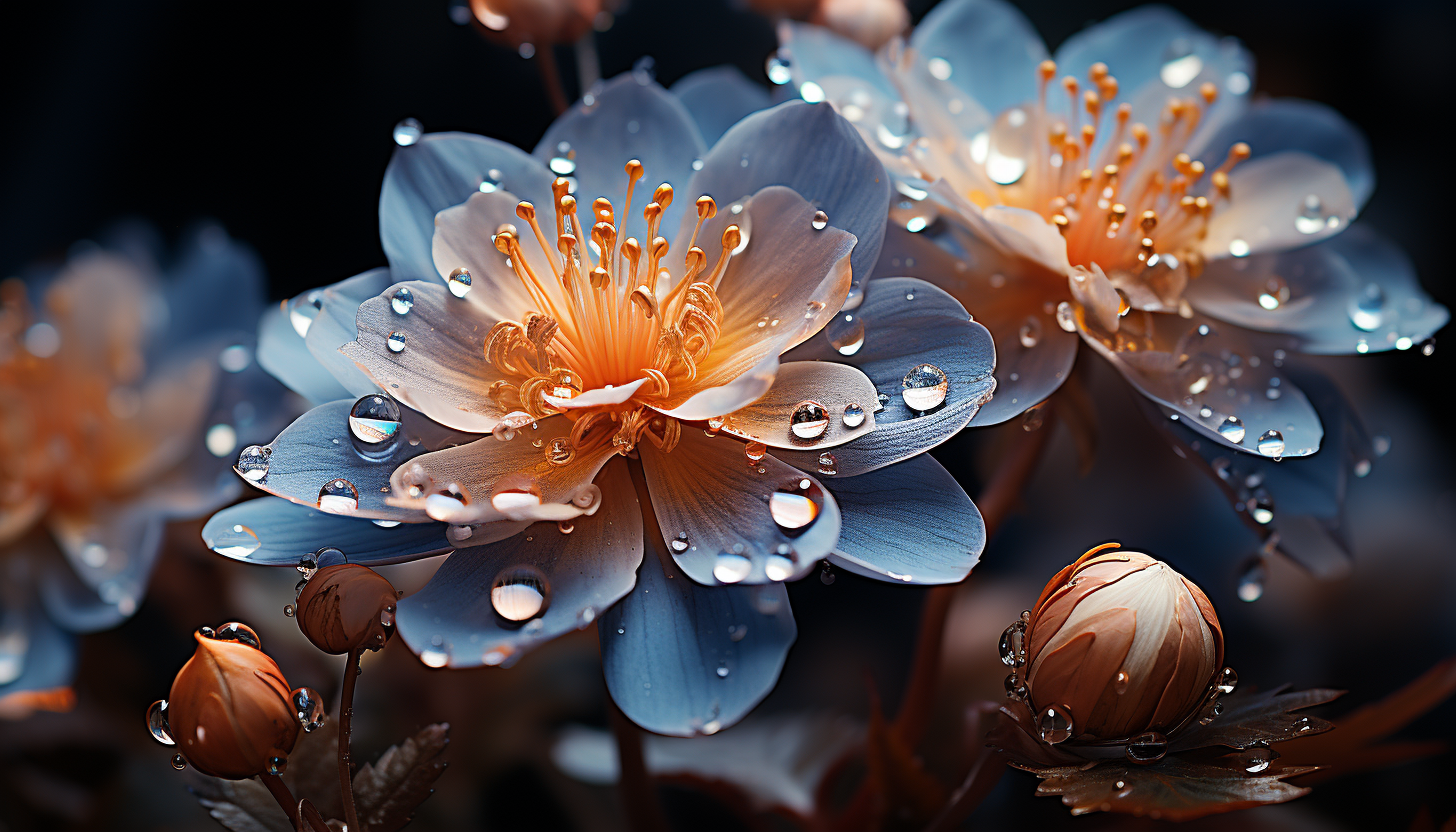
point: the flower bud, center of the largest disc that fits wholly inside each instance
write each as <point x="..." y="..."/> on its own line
<point x="230" y="709"/>
<point x="347" y="607"/>
<point x="1120" y="644"/>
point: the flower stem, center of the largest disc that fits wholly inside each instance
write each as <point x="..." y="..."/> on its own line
<point x="638" y="793"/>
<point x="346" y="713"/>
<point x="551" y="77"/>
<point x="280" y="793"/>
<point x="983" y="776"/>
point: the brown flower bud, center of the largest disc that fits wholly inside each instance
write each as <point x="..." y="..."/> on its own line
<point x="1120" y="644"/>
<point x="230" y="710"/>
<point x="347" y="607"/>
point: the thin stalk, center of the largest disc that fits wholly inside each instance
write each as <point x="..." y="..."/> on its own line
<point x="639" y="794"/>
<point x="309" y="818"/>
<point x="280" y="793"/>
<point x="346" y="713"/>
<point x="985" y="773"/>
<point x="551" y="77"/>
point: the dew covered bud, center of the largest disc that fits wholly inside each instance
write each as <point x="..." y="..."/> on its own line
<point x="347" y="607"/>
<point x="230" y="711"/>
<point x="1120" y="644"/>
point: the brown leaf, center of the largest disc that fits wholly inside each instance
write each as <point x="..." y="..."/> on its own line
<point x="387" y="793"/>
<point x="1013" y="734"/>
<point x="907" y="796"/>
<point x="1252" y="717"/>
<point x="247" y="806"/>
<point x="1174" y="789"/>
<point x="1355" y="745"/>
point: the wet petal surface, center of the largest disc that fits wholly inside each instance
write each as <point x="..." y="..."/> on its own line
<point x="275" y="532"/>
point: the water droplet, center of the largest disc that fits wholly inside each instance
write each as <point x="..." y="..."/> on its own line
<point x="1428" y="346"/>
<point x="846" y="333"/>
<point x="459" y="282"/>
<point x="754" y="451"/>
<point x="1361" y="468"/>
<point x="1009" y="143"/>
<point x="796" y="505"/>
<point x="559" y="451"/>
<point x="1226" y="682"/>
<point x="1147" y="748"/>
<point x="562" y="165"/>
<point x="1258" y="757"/>
<point x="1232" y="429"/>
<point x="1054" y="725"/>
<point x="1016" y="688"/>
<point x="235" y="541"/>
<point x="1251" y="582"/>
<point x="1311" y="218"/>
<point x="1275" y="294"/>
<point x="828" y="465"/>
<point x="809" y="420"/>
<point x="1180" y="64"/>
<point x="308" y="706"/>
<point x="924" y="387"/>
<point x="395" y="342"/>
<point x="854" y="415"/>
<point x="820" y="221"/>
<point x="408" y="131"/>
<point x="779" y="567"/>
<point x="1367" y="309"/>
<point x="939" y="68"/>
<point x="402" y="301"/>
<point x="722" y="670"/>
<point x="777" y="68"/>
<point x="1013" y="644"/>
<point x="308" y="565"/>
<point x="238" y="632"/>
<point x="1030" y="333"/>
<point x="277" y="765"/>
<point x="731" y="567"/>
<point x="288" y="610"/>
<point x="826" y="574"/>
<point x="253" y="462"/>
<point x="1238" y="247"/>
<point x="374" y="419"/>
<point x="853" y="299"/>
<point x="680" y="543"/>
<point x="1261" y="507"/>
<point x="338" y="496"/>
<point x="737" y="632"/>
<point x="1271" y="443"/>
<point x="1121" y="682"/>
<point x="179" y="762"/>
<point x="434" y="658"/>
<point x="157" y="723"/>
<point x="1066" y="317"/>
<point x="491" y="182"/>
<point x="519" y="593"/>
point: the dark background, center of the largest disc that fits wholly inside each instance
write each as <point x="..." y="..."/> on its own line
<point x="274" y="118"/>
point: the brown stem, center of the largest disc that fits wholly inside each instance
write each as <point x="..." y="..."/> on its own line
<point x="995" y="503"/>
<point x="639" y="794"/>
<point x="551" y="77"/>
<point x="280" y="793"/>
<point x="309" y="818"/>
<point x="985" y="773"/>
<point x="346" y="714"/>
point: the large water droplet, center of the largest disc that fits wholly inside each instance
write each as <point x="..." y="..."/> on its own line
<point x="1258" y="757"/>
<point x="519" y="593"/>
<point x="731" y="567"/>
<point x="1275" y="293"/>
<point x="754" y="451"/>
<point x="924" y="387"/>
<point x="1311" y="217"/>
<point x="820" y="221"/>
<point x="253" y="462"/>
<point x="846" y="333"/>
<point x="1180" y="64"/>
<point x="1010" y="143"/>
<point x="407" y="132"/>
<point x="1066" y="317"/>
<point x="277" y="765"/>
<point x="854" y="415"/>
<point x="374" y="419"/>
<point x="777" y="68"/>
<point x="338" y="496"/>
<point x="1226" y="681"/>
<point x="1367" y="309"/>
<point x="828" y="465"/>
<point x="402" y="301"/>
<point x="308" y="706"/>
<point x="1013" y="645"/>
<point x="179" y="762"/>
<point x="395" y="342"/>
<point x="239" y="632"/>
<point x="459" y="282"/>
<point x="235" y="541"/>
<point x="796" y="505"/>
<point x="1054" y="725"/>
<point x="1030" y="333"/>
<point x="303" y="309"/>
<point x="779" y="567"/>
<point x="1271" y="443"/>
<point x="1147" y="748"/>
<point x="157" y="723"/>
<point x="1232" y="429"/>
<point x="1016" y="688"/>
<point x="809" y="420"/>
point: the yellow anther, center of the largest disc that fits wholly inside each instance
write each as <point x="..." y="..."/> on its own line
<point x="1071" y="86"/>
<point x="602" y="209"/>
<point x="634" y="170"/>
<point x="731" y="238"/>
<point x="1062" y="223"/>
<point x="651" y="211"/>
<point x="526" y="211"/>
<point x="1149" y="220"/>
<point x="599" y="278"/>
<point x="1202" y="204"/>
<point x="1124" y="153"/>
<point x="1209" y="92"/>
<point x="1092" y="102"/>
<point x="1108" y="87"/>
<point x="1140" y="134"/>
<point x="659" y="248"/>
<point x="1110" y="171"/>
<point x="1047" y="70"/>
<point x="646" y="300"/>
<point x="663" y="195"/>
<point x="1181" y="162"/>
<point x="1124" y="112"/>
<point x="560" y="186"/>
<point x="503" y="240"/>
<point x="1097" y="72"/>
<point x="707" y="208"/>
<point x="1221" y="183"/>
<point x="1089" y="134"/>
<point x="1117" y="213"/>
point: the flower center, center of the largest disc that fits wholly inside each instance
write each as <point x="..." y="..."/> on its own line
<point x="621" y="318"/>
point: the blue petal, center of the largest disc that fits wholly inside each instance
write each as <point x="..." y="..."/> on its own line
<point x="906" y="322"/>
<point x="810" y="148"/>
<point x="718" y="98"/>
<point x="684" y="659"/>
<point x="284" y="354"/>
<point x="453" y="621"/>
<point x="1355" y="292"/>
<point x="274" y="532"/>
<point x="908" y="522"/>
<point x="990" y="47"/>
<point x="816" y="54"/>
<point x="35" y="654"/>
<point x="437" y="172"/>
<point x="629" y="117"/>
<point x="335" y="326"/>
<point x="111" y="557"/>
<point x="216" y="281"/>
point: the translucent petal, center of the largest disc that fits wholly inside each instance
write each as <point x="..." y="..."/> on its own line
<point x="806" y="147"/>
<point x="718" y="98"/>
<point x="989" y="48"/>
<point x="275" y="532"/>
<point x="215" y="279"/>
<point x="441" y="369"/>
<point x="285" y="355"/>
<point x="907" y="323"/>
<point x="1280" y="201"/>
<point x="35" y="654"/>
<point x="334" y="326"/>
<point x="465" y="238"/>
<point x="816" y="53"/>
<point x="456" y="621"/>
<point x="909" y="522"/>
<point x="112" y="551"/>
<point x="1210" y="373"/>
<point x="628" y="117"/>
<point x="684" y="659"/>
<point x="436" y="172"/>
<point x="1355" y="292"/>
<point x="725" y="522"/>
<point x="805" y="394"/>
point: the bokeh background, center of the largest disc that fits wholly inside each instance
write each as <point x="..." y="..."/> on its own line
<point x="274" y="119"/>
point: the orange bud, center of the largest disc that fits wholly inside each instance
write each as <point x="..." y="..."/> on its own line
<point x="230" y="710"/>
<point x="1119" y="644"/>
<point x="347" y="607"/>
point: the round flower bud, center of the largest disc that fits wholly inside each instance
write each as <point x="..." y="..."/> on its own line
<point x="230" y="710"/>
<point x="1117" y="645"/>
<point x="347" y="607"/>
